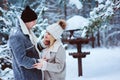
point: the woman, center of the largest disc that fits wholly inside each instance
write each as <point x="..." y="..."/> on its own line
<point x="53" y="62"/>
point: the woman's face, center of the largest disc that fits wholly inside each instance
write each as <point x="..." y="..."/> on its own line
<point x="47" y="36"/>
<point x="49" y="39"/>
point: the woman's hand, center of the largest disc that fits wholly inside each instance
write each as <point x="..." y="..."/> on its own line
<point x="40" y="64"/>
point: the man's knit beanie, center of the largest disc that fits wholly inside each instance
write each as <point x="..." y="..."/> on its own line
<point x="28" y="15"/>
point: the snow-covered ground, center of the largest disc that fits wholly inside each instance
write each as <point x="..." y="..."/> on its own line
<point x="101" y="64"/>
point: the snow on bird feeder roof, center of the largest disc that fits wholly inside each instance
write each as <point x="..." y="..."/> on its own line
<point x="77" y="22"/>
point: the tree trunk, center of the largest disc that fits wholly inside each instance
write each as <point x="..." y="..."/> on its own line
<point x="98" y="38"/>
<point x="65" y="8"/>
<point x="93" y="41"/>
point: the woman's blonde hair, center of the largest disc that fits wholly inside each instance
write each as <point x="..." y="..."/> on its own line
<point x="52" y="40"/>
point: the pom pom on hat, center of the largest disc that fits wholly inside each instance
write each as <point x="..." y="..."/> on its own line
<point x="57" y="29"/>
<point x="62" y="23"/>
<point x="28" y="15"/>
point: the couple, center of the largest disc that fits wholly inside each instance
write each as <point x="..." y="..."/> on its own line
<point x="28" y="63"/>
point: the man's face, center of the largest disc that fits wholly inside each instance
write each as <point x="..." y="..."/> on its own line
<point x="30" y="24"/>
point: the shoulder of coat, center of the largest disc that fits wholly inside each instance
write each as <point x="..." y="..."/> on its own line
<point x="16" y="32"/>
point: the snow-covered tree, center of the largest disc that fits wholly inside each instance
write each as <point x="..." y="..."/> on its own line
<point x="8" y="19"/>
<point x="100" y="17"/>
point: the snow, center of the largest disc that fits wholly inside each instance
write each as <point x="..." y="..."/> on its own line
<point x="118" y="4"/>
<point x="77" y="3"/>
<point x="101" y="64"/>
<point x="108" y="2"/>
<point x="5" y="21"/>
<point x="100" y="1"/>
<point x="109" y="11"/>
<point x="8" y="73"/>
<point x="1" y="9"/>
<point x="77" y="22"/>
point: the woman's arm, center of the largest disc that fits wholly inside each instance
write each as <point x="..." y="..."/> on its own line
<point x="60" y="62"/>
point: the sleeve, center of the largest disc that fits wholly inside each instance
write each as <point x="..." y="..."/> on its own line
<point x="19" y="53"/>
<point x="60" y="62"/>
<point x="40" y="45"/>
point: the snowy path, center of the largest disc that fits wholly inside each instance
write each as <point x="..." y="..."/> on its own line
<point x="101" y="64"/>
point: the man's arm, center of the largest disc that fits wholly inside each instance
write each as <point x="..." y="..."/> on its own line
<point x="41" y="45"/>
<point x="18" y="49"/>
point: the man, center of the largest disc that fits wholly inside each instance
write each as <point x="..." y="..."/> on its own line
<point x="23" y="45"/>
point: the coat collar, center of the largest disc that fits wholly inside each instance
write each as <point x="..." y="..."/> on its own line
<point x="25" y="31"/>
<point x="23" y="27"/>
<point x="55" y="46"/>
<point x="30" y="33"/>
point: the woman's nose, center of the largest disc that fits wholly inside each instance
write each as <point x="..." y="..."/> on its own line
<point x="45" y="35"/>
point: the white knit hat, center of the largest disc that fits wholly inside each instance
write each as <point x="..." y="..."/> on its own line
<point x="56" y="29"/>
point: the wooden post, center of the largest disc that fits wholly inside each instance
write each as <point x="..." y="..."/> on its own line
<point x="79" y="60"/>
<point x="93" y="41"/>
<point x="79" y="54"/>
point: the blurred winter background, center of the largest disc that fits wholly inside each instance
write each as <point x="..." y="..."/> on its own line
<point x="91" y="18"/>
